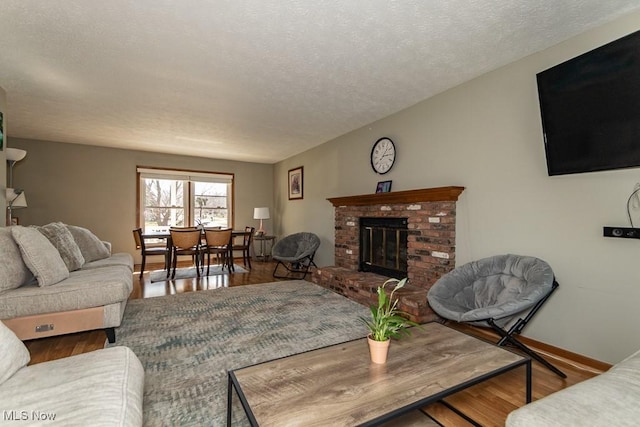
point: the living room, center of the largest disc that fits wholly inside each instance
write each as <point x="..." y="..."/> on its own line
<point x="484" y="135"/>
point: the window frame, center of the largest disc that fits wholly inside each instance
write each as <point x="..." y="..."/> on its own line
<point x="189" y="176"/>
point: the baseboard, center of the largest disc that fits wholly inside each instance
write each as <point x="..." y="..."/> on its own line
<point x="559" y="354"/>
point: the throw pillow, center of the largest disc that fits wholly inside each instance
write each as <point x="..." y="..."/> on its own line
<point x="40" y="255"/>
<point x="13" y="271"/>
<point x="91" y="247"/>
<point x="15" y="355"/>
<point x="61" y="238"/>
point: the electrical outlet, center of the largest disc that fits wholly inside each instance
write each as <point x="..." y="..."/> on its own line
<point x="621" y="232"/>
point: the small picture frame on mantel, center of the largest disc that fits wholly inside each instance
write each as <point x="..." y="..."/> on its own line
<point x="383" y="187"/>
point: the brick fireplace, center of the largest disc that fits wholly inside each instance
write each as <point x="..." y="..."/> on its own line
<point x="431" y="216"/>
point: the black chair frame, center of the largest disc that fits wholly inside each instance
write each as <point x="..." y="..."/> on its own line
<point x="507" y="337"/>
<point x="300" y="266"/>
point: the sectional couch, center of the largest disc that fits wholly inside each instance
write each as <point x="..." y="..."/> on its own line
<point x="99" y="388"/>
<point x="58" y="279"/>
<point x="609" y="399"/>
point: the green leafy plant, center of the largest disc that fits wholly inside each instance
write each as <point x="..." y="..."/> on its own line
<point x="386" y="320"/>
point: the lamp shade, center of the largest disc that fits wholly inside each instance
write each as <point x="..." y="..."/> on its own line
<point x="260" y="213"/>
<point x="15" y="154"/>
<point x="16" y="198"/>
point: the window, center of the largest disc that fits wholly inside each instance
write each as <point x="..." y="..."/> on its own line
<point x="173" y="198"/>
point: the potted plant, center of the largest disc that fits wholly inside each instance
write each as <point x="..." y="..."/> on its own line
<point x="386" y="322"/>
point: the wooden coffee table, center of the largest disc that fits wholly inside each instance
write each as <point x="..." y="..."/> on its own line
<point x="338" y="385"/>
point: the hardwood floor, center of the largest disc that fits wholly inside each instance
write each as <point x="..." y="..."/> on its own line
<point x="488" y="403"/>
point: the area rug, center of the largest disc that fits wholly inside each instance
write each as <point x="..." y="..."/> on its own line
<point x="190" y="272"/>
<point x="188" y="342"/>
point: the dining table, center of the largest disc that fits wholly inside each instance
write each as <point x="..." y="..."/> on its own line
<point x="167" y="237"/>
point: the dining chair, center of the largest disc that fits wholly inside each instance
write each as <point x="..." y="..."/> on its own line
<point x="219" y="243"/>
<point x="146" y="251"/>
<point x="170" y="246"/>
<point x="245" y="247"/>
<point x="185" y="241"/>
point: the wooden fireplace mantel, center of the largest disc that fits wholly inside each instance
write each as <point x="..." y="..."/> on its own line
<point x="439" y="194"/>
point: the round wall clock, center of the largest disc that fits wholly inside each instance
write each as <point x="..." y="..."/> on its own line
<point x="383" y="155"/>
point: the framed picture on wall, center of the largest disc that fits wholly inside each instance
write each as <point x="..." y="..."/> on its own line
<point x="296" y="183"/>
<point x="383" y="187"/>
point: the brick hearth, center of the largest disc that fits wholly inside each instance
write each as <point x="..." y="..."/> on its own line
<point x="431" y="217"/>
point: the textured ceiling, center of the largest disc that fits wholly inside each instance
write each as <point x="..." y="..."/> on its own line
<point x="254" y="80"/>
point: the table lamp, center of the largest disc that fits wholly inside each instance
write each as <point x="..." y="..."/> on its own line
<point x="260" y="213"/>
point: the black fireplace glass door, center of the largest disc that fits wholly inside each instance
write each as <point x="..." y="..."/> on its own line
<point x="384" y="247"/>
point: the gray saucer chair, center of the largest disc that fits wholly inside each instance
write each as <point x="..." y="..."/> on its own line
<point x="502" y="292"/>
<point x="295" y="253"/>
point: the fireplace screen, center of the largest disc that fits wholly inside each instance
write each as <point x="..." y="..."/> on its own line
<point x="383" y="246"/>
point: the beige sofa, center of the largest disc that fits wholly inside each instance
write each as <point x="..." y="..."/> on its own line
<point x="100" y="388"/>
<point x="609" y="399"/>
<point x="58" y="279"/>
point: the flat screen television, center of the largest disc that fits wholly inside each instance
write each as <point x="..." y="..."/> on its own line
<point x="590" y="108"/>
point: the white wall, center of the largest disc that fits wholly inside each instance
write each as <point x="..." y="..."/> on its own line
<point x="486" y="135"/>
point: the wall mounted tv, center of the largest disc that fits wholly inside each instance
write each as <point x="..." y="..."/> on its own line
<point x="590" y="108"/>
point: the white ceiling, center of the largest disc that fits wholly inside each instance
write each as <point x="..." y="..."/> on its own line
<point x="254" y="80"/>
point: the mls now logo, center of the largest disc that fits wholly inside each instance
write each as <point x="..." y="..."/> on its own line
<point x="28" y="416"/>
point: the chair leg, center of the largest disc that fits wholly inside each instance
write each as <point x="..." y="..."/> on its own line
<point x="175" y="263"/>
<point x="276" y="269"/>
<point x="169" y="262"/>
<point x="507" y="337"/>
<point x="197" y="260"/>
<point x="229" y="257"/>
<point x="300" y="267"/>
<point x="144" y="258"/>
<point x="286" y="275"/>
